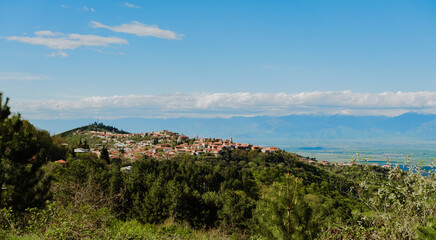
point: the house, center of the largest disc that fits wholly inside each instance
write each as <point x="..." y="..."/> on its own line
<point x="181" y="150"/>
<point x="243" y="146"/>
<point x="62" y="162"/>
<point x="81" y="150"/>
<point x="126" y="169"/>
<point x="182" y="138"/>
<point x="119" y="145"/>
<point x="256" y="147"/>
<point x="167" y="149"/>
<point x="270" y="149"/>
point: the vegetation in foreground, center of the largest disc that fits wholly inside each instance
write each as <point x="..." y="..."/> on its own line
<point x="236" y="195"/>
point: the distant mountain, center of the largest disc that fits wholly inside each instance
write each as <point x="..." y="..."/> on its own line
<point x="94" y="127"/>
<point x="268" y="130"/>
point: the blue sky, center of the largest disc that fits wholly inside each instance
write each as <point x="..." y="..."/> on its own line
<point x="70" y="59"/>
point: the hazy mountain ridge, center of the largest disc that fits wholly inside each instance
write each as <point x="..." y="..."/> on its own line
<point x="294" y="127"/>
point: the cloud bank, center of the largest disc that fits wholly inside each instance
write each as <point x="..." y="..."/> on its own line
<point x="140" y="29"/>
<point x="231" y="104"/>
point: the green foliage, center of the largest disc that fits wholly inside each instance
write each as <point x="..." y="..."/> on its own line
<point x="24" y="150"/>
<point x="104" y="154"/>
<point x="236" y="209"/>
<point x="284" y="214"/>
<point x="428" y="231"/>
<point x="84" y="222"/>
<point x="405" y="200"/>
<point x="232" y="196"/>
<point x="5" y="110"/>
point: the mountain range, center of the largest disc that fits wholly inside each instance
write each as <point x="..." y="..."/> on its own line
<point x="268" y="129"/>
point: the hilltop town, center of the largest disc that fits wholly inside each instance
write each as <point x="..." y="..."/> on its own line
<point x="96" y="138"/>
<point x="163" y="144"/>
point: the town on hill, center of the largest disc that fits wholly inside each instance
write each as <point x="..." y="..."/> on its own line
<point x="121" y="145"/>
<point x="162" y="145"/>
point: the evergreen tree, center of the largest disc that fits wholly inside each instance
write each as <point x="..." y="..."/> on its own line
<point x="4" y="108"/>
<point x="104" y="154"/>
<point x="116" y="179"/>
<point x="283" y="214"/>
<point x="23" y="152"/>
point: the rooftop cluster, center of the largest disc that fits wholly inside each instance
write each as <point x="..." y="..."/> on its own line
<point x="164" y="144"/>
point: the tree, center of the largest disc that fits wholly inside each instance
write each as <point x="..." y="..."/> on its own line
<point x="23" y="152"/>
<point x="4" y="113"/>
<point x="4" y="108"/>
<point x="104" y="154"/>
<point x="283" y="213"/>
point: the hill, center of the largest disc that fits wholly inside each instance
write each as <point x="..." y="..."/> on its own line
<point x="94" y="127"/>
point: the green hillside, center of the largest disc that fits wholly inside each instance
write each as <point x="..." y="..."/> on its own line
<point x="93" y="127"/>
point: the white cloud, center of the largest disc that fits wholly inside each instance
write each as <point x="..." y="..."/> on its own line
<point x="126" y="4"/>
<point x="93" y="40"/>
<point x="65" y="6"/>
<point x="140" y="29"/>
<point x="21" y="76"/>
<point x="86" y="9"/>
<point x="60" y="41"/>
<point x="48" y="33"/>
<point x="232" y="104"/>
<point x="60" y="53"/>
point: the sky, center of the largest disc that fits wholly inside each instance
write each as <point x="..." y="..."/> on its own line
<point x="112" y="59"/>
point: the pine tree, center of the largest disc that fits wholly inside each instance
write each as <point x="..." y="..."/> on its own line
<point x="104" y="154"/>
<point x="283" y="214"/>
<point x="4" y="108"/>
<point x="23" y="152"/>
